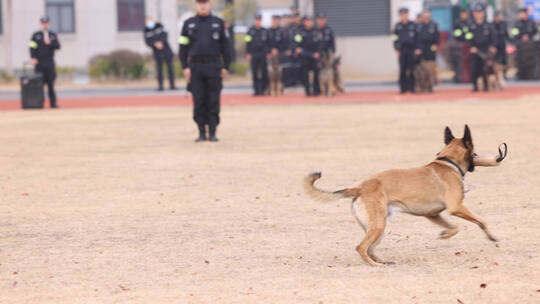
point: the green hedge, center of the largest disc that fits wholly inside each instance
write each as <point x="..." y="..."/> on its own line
<point x="118" y="64"/>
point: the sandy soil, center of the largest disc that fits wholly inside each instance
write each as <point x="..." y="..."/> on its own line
<point x="120" y="206"/>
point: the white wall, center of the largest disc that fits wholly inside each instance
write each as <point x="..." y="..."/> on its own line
<point x="96" y="31"/>
<point x="368" y="55"/>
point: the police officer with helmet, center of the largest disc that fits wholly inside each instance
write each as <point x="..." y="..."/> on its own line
<point x="406" y="46"/>
<point x="523" y="33"/>
<point x="257" y="50"/>
<point x="482" y="39"/>
<point x="42" y="45"/>
<point x="205" y="55"/>
<point x="308" y="47"/>
<point x="156" y="37"/>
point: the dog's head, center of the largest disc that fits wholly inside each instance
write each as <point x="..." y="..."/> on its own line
<point x="460" y="150"/>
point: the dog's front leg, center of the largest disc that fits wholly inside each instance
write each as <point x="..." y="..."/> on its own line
<point x="450" y="230"/>
<point x="463" y="212"/>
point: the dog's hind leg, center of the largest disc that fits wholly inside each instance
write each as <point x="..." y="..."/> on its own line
<point x="354" y="211"/>
<point x="375" y="203"/>
<point x="450" y="230"/>
<point x="463" y="212"/>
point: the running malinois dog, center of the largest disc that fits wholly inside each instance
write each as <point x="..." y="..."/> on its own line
<point x="424" y="191"/>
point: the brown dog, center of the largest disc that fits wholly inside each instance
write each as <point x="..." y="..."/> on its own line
<point x="424" y="191"/>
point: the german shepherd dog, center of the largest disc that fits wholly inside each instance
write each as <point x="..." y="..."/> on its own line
<point x="492" y="71"/>
<point x="326" y="75"/>
<point x="422" y="76"/>
<point x="424" y="191"/>
<point x="275" y="72"/>
<point x="338" y="83"/>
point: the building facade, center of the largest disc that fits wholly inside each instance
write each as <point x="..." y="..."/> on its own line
<point x="86" y="28"/>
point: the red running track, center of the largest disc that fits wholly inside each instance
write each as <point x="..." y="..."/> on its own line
<point x="292" y="98"/>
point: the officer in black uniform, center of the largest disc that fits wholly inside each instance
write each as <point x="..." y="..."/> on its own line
<point x="308" y="47"/>
<point x="406" y="45"/>
<point x="461" y="27"/>
<point x="42" y="45"/>
<point x="156" y="37"/>
<point x="429" y="39"/>
<point x="482" y="39"/>
<point x="205" y="56"/>
<point x="526" y="50"/>
<point x="277" y="36"/>
<point x="292" y="71"/>
<point x="501" y="28"/>
<point x="328" y="40"/>
<point x="257" y="50"/>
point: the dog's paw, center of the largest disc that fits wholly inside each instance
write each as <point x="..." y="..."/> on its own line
<point x="446" y="234"/>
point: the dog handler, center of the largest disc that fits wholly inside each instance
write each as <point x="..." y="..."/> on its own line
<point x="205" y="57"/>
<point x="406" y="46"/>
<point x="42" y="45"/>
<point x="482" y="39"/>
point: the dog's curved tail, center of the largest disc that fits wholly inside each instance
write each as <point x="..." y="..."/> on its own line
<point x="325" y="196"/>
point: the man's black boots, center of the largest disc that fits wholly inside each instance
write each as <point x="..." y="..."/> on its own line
<point x="202" y="134"/>
<point x="212" y="131"/>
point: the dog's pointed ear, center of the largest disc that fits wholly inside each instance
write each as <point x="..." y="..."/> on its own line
<point x="467" y="138"/>
<point x="448" y="136"/>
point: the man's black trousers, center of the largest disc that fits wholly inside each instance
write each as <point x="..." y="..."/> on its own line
<point x="477" y="70"/>
<point x="168" y="60"/>
<point x="48" y="70"/>
<point x="259" y="72"/>
<point x="406" y="68"/>
<point x="311" y="84"/>
<point x="206" y="85"/>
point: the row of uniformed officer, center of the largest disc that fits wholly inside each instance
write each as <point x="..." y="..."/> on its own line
<point x="43" y="45"/>
<point x="205" y="56"/>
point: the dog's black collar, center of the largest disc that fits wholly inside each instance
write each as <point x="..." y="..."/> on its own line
<point x="448" y="160"/>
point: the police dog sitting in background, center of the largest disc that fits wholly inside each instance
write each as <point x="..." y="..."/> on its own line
<point x="326" y="75"/>
<point x="422" y="76"/>
<point x="492" y="71"/>
<point x="275" y="71"/>
<point x="424" y="191"/>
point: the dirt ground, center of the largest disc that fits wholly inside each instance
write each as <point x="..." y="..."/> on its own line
<point x="121" y="206"/>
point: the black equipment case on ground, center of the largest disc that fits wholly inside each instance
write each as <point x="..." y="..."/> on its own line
<point x="32" y="96"/>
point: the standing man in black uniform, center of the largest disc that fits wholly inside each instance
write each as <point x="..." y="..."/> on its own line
<point x="523" y="33"/>
<point x="308" y="47"/>
<point x="429" y="39"/>
<point x="42" y="45"/>
<point x="277" y="36"/>
<point x="328" y="40"/>
<point x="482" y="39"/>
<point x="257" y="50"/>
<point x="293" y="70"/>
<point x="501" y="28"/>
<point x="156" y="37"/>
<point x="461" y="27"/>
<point x="406" y="46"/>
<point x="205" y="55"/>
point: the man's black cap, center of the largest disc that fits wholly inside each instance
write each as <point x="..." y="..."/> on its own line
<point x="45" y="19"/>
<point x="257" y="16"/>
<point x="276" y="17"/>
<point x="403" y="10"/>
<point x="202" y="1"/>
<point x="478" y="7"/>
<point x="523" y="10"/>
<point x="308" y="17"/>
<point x="321" y="15"/>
